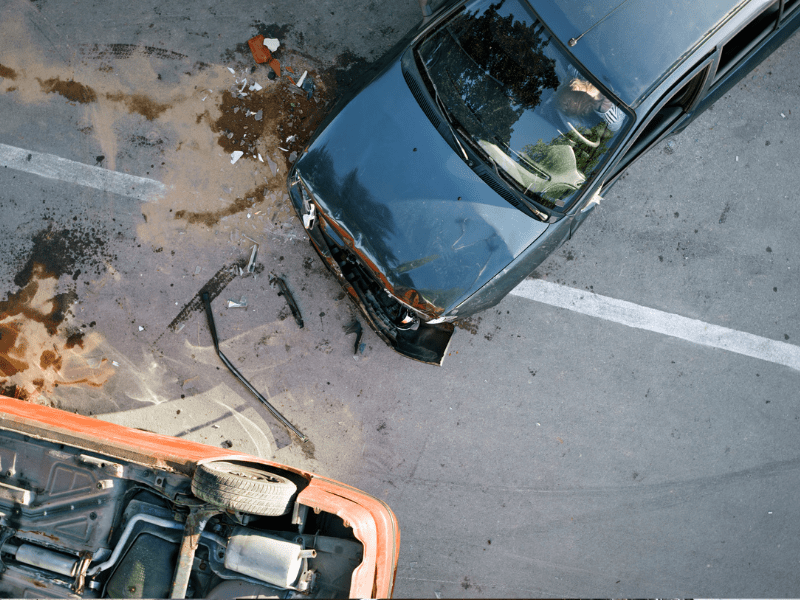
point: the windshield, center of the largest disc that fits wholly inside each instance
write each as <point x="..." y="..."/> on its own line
<point x="519" y="101"/>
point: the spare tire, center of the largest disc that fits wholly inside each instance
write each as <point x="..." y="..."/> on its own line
<point x="244" y="488"/>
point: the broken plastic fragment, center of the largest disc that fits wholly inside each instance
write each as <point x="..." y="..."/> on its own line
<point x="251" y="265"/>
<point x="255" y="87"/>
<point x="260" y="53"/>
<point x="302" y="79"/>
<point x="272" y="43"/>
<point x="309" y="87"/>
<point x="231" y="70"/>
<point x="236" y="155"/>
<point x="141" y="328"/>
<point x="259" y="157"/>
<point x="259" y="115"/>
<point x="241" y="303"/>
<point x="115" y="363"/>
<point x="291" y="138"/>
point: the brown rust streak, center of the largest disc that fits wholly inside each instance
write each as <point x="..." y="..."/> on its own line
<point x="211" y="218"/>
<point x="141" y="104"/>
<point x="7" y="72"/>
<point x="71" y="90"/>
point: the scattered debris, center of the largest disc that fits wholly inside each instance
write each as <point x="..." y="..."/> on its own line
<point x="141" y="328"/>
<point x="284" y="291"/>
<point x="232" y="369"/>
<point x="251" y="265"/>
<point x="302" y="79"/>
<point x="231" y="70"/>
<point x="355" y="327"/>
<point x="272" y="44"/>
<point x="236" y="155"/>
<point x="241" y="303"/>
<point x="227" y="444"/>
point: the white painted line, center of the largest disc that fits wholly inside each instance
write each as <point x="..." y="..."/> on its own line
<point x="650" y="319"/>
<point x="62" y="169"/>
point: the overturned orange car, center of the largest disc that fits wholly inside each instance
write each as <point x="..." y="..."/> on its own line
<point x="90" y="509"/>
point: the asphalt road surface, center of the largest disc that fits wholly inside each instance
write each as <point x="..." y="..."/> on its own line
<point x="625" y="425"/>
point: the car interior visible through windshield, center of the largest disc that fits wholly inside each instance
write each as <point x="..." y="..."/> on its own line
<point x="519" y="101"/>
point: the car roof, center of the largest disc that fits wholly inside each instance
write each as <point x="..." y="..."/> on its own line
<point x="639" y="42"/>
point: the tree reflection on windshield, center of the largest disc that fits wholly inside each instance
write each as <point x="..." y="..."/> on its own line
<point x="497" y="72"/>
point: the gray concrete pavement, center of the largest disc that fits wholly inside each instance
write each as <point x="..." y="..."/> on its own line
<point x="554" y="454"/>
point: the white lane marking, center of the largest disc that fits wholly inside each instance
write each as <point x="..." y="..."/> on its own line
<point x="650" y="319"/>
<point x="62" y="169"/>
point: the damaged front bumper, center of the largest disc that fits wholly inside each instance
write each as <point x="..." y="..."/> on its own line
<point x="407" y="330"/>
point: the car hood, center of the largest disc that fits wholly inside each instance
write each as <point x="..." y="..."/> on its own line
<point x="413" y="210"/>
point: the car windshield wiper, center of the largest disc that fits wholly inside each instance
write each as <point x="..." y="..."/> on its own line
<point x="447" y="116"/>
<point x="538" y="213"/>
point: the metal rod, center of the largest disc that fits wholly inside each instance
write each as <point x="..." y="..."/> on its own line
<point x="240" y="377"/>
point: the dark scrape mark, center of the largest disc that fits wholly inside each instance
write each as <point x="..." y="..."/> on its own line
<point x="127" y="50"/>
<point x="71" y="90"/>
<point x="7" y="72"/>
<point x="308" y="449"/>
<point x="466" y="583"/>
<point x="348" y="69"/>
<point x="724" y="216"/>
<point x="138" y="103"/>
<point x="469" y="323"/>
<point x="59" y="251"/>
<point x="74" y="339"/>
<point x="213" y="287"/>
<point x="211" y="218"/>
<point x="769" y="249"/>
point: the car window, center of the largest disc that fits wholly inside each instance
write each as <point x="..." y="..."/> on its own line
<point x="788" y="7"/>
<point x="519" y="101"/>
<point x="740" y="45"/>
<point x="680" y="100"/>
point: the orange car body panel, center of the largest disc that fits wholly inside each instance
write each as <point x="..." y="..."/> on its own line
<point x="372" y="521"/>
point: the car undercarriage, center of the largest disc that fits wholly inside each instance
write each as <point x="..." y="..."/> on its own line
<point x="80" y="524"/>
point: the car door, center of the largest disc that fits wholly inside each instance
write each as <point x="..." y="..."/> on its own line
<point x="755" y="37"/>
<point x="675" y="106"/>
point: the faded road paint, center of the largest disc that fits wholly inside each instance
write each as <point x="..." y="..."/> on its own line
<point x="62" y="169"/>
<point x="650" y="319"/>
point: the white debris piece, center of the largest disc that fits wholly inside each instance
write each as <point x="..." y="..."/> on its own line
<point x="272" y="44"/>
<point x="231" y="70"/>
<point x="141" y="328"/>
<point x="302" y="79"/>
<point x="236" y="155"/>
<point x="259" y="158"/>
<point x="115" y="363"/>
<point x="291" y="138"/>
<point x="255" y="87"/>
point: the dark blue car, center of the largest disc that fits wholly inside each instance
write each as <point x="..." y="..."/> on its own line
<point x="484" y="140"/>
